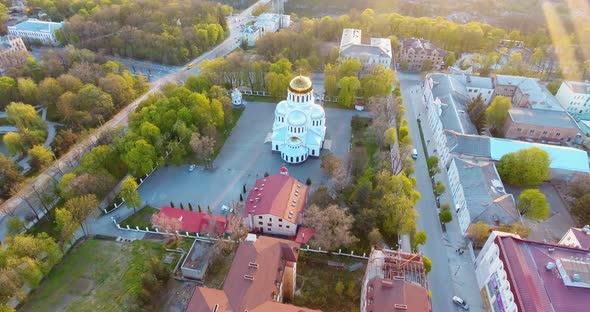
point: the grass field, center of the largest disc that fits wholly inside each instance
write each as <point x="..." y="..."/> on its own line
<point x="99" y="275"/>
<point x="141" y="218"/>
<point x="317" y="282"/>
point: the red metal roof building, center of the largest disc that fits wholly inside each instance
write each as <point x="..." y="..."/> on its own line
<point x="395" y="281"/>
<point x="521" y="275"/>
<point x="261" y="276"/>
<point x="197" y="222"/>
<point x="275" y="204"/>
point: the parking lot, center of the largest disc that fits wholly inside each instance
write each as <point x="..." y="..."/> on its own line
<point x="243" y="159"/>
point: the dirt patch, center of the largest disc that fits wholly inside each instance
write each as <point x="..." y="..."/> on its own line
<point x="82" y="286"/>
<point x="177" y="296"/>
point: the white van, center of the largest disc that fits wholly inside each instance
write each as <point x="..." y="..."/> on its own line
<point x="414" y="154"/>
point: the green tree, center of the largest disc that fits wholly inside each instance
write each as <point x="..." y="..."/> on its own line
<point x="427" y="264"/>
<point x="9" y="175"/>
<point x="450" y="59"/>
<point x="581" y="209"/>
<point x="349" y="68"/>
<point x="81" y="208"/>
<point x="41" y="157"/>
<point x="477" y="113"/>
<point x="28" y="90"/>
<point x="349" y="88"/>
<point x="8" y="91"/>
<point x="141" y="158"/>
<point x="375" y="238"/>
<point x="66" y="225"/>
<point x="330" y="85"/>
<point x="15" y="226"/>
<point x="339" y="289"/>
<point x="526" y="167"/>
<point x="377" y="82"/>
<point x="533" y="204"/>
<point x="427" y="66"/>
<point x="432" y="164"/>
<point x="277" y="85"/>
<point x="98" y="158"/>
<point x="439" y="188"/>
<point x="198" y="83"/>
<point x="130" y="194"/>
<point x="420" y="239"/>
<point x="23" y="116"/>
<point x="497" y="112"/>
<point x="390" y="136"/>
<point x="445" y="216"/>
<point x="14" y="143"/>
<point x="554" y="85"/>
<point x="49" y="91"/>
<point x="120" y="90"/>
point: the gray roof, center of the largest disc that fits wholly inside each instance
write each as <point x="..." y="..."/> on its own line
<point x="474" y="81"/>
<point x="539" y="96"/>
<point x="37" y="25"/>
<point x="546" y="118"/>
<point x="579" y="87"/>
<point x="356" y="49"/>
<point x="421" y="44"/>
<point x="472" y="145"/>
<point x="485" y="196"/>
<point x="455" y="98"/>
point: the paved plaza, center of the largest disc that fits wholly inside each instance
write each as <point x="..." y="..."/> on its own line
<point x="243" y="159"/>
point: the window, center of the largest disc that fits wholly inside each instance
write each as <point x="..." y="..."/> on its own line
<point x="280" y="225"/>
<point x="259" y="217"/>
<point x="518" y="129"/>
<point x="557" y="134"/>
<point x="260" y="223"/>
<point x="269" y="224"/>
<point x="544" y="132"/>
<point x="280" y="220"/>
<point x="288" y="226"/>
<point x="531" y="131"/>
<point x="268" y="229"/>
<point x="269" y="219"/>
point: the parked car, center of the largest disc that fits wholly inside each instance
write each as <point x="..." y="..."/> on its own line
<point x="414" y="153"/>
<point x="460" y="302"/>
<point x="191" y="168"/>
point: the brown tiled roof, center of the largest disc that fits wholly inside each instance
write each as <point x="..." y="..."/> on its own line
<point x="397" y="295"/>
<point x="253" y="279"/>
<point x="421" y="44"/>
<point x="275" y="195"/>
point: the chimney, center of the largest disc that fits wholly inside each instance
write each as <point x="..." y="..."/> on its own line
<point x="550" y="266"/>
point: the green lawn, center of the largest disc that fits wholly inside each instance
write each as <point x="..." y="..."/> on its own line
<point x="141" y="218"/>
<point x="47" y="225"/>
<point x="98" y="275"/>
<point x="258" y="98"/>
<point x="316" y="282"/>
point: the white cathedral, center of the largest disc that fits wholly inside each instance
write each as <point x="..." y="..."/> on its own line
<point x="300" y="124"/>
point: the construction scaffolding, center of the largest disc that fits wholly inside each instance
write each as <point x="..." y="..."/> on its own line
<point x="401" y="265"/>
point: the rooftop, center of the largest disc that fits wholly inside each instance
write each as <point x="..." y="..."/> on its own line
<point x="578" y="87"/>
<point x="300" y="84"/>
<point x="421" y="44"/>
<point x="279" y="195"/>
<point x="37" y="25"/>
<point x="396" y="279"/>
<point x="545" y="277"/>
<point x="546" y="118"/>
<point x="582" y="236"/>
<point x="539" y="96"/>
<point x="253" y="280"/>
<point x="474" y="81"/>
<point x="350" y="44"/>
<point x="454" y="99"/>
<point x="197" y="258"/>
<point x="197" y="222"/>
<point x="485" y="196"/>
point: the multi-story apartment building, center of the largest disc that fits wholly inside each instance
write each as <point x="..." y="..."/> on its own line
<point x="476" y="86"/>
<point x="377" y="52"/>
<point x="525" y="92"/>
<point x="414" y="52"/>
<point x="33" y="30"/>
<point x="13" y="52"/>
<point x="270" y="22"/>
<point x="540" y="125"/>
<point x="275" y="205"/>
<point x="514" y="274"/>
<point x="574" y="96"/>
<point x="395" y="281"/>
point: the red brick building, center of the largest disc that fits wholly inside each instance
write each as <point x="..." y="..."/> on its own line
<point x="540" y="125"/>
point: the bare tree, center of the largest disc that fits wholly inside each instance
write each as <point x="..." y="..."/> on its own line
<point x="167" y="224"/>
<point x="203" y="147"/>
<point x="332" y="225"/>
<point x="330" y="164"/>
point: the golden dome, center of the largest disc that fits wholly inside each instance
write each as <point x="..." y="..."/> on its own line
<point x="300" y="84"/>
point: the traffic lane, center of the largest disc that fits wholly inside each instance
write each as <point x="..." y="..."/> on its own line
<point x="440" y="276"/>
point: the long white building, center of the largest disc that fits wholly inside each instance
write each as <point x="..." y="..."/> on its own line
<point x="574" y="96"/>
<point x="300" y="125"/>
<point x="33" y="30"/>
<point x="377" y="52"/>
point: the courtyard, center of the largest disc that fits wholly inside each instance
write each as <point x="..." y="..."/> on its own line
<point x="243" y="159"/>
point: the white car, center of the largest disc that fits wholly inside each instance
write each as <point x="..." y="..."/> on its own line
<point x="191" y="168"/>
<point x="460" y="302"/>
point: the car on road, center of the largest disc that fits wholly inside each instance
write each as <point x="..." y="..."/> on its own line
<point x="460" y="302"/>
<point x="191" y="168"/>
<point x="414" y="154"/>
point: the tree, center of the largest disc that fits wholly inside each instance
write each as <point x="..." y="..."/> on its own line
<point x="330" y="164"/>
<point x="14" y="142"/>
<point x="41" y="157"/>
<point x="120" y="90"/>
<point x="390" y="136"/>
<point x="349" y="87"/>
<point x="427" y="65"/>
<point x="203" y="147"/>
<point x="23" y="116"/>
<point x="427" y="264"/>
<point x="420" y="239"/>
<point x="8" y="91"/>
<point x="375" y="238"/>
<point x="339" y="289"/>
<point x="330" y="85"/>
<point x="526" y="167"/>
<point x="477" y="113"/>
<point x="497" y="112"/>
<point x="432" y="164"/>
<point x="261" y="8"/>
<point x="130" y="194"/>
<point x="478" y="233"/>
<point x="141" y="158"/>
<point x="308" y="181"/>
<point x="167" y="224"/>
<point x="15" y="226"/>
<point x="377" y="82"/>
<point x="322" y="197"/>
<point x="81" y="208"/>
<point x="198" y="83"/>
<point x="49" y="91"/>
<point x="533" y="204"/>
<point x="581" y="209"/>
<point x="439" y="188"/>
<point x="445" y="216"/>
<point x="277" y="85"/>
<point x="450" y="59"/>
<point x="349" y="68"/>
<point x="554" y="85"/>
<point x="28" y="90"/>
<point x="9" y="175"/>
<point x="332" y="226"/>
<point x="66" y="225"/>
